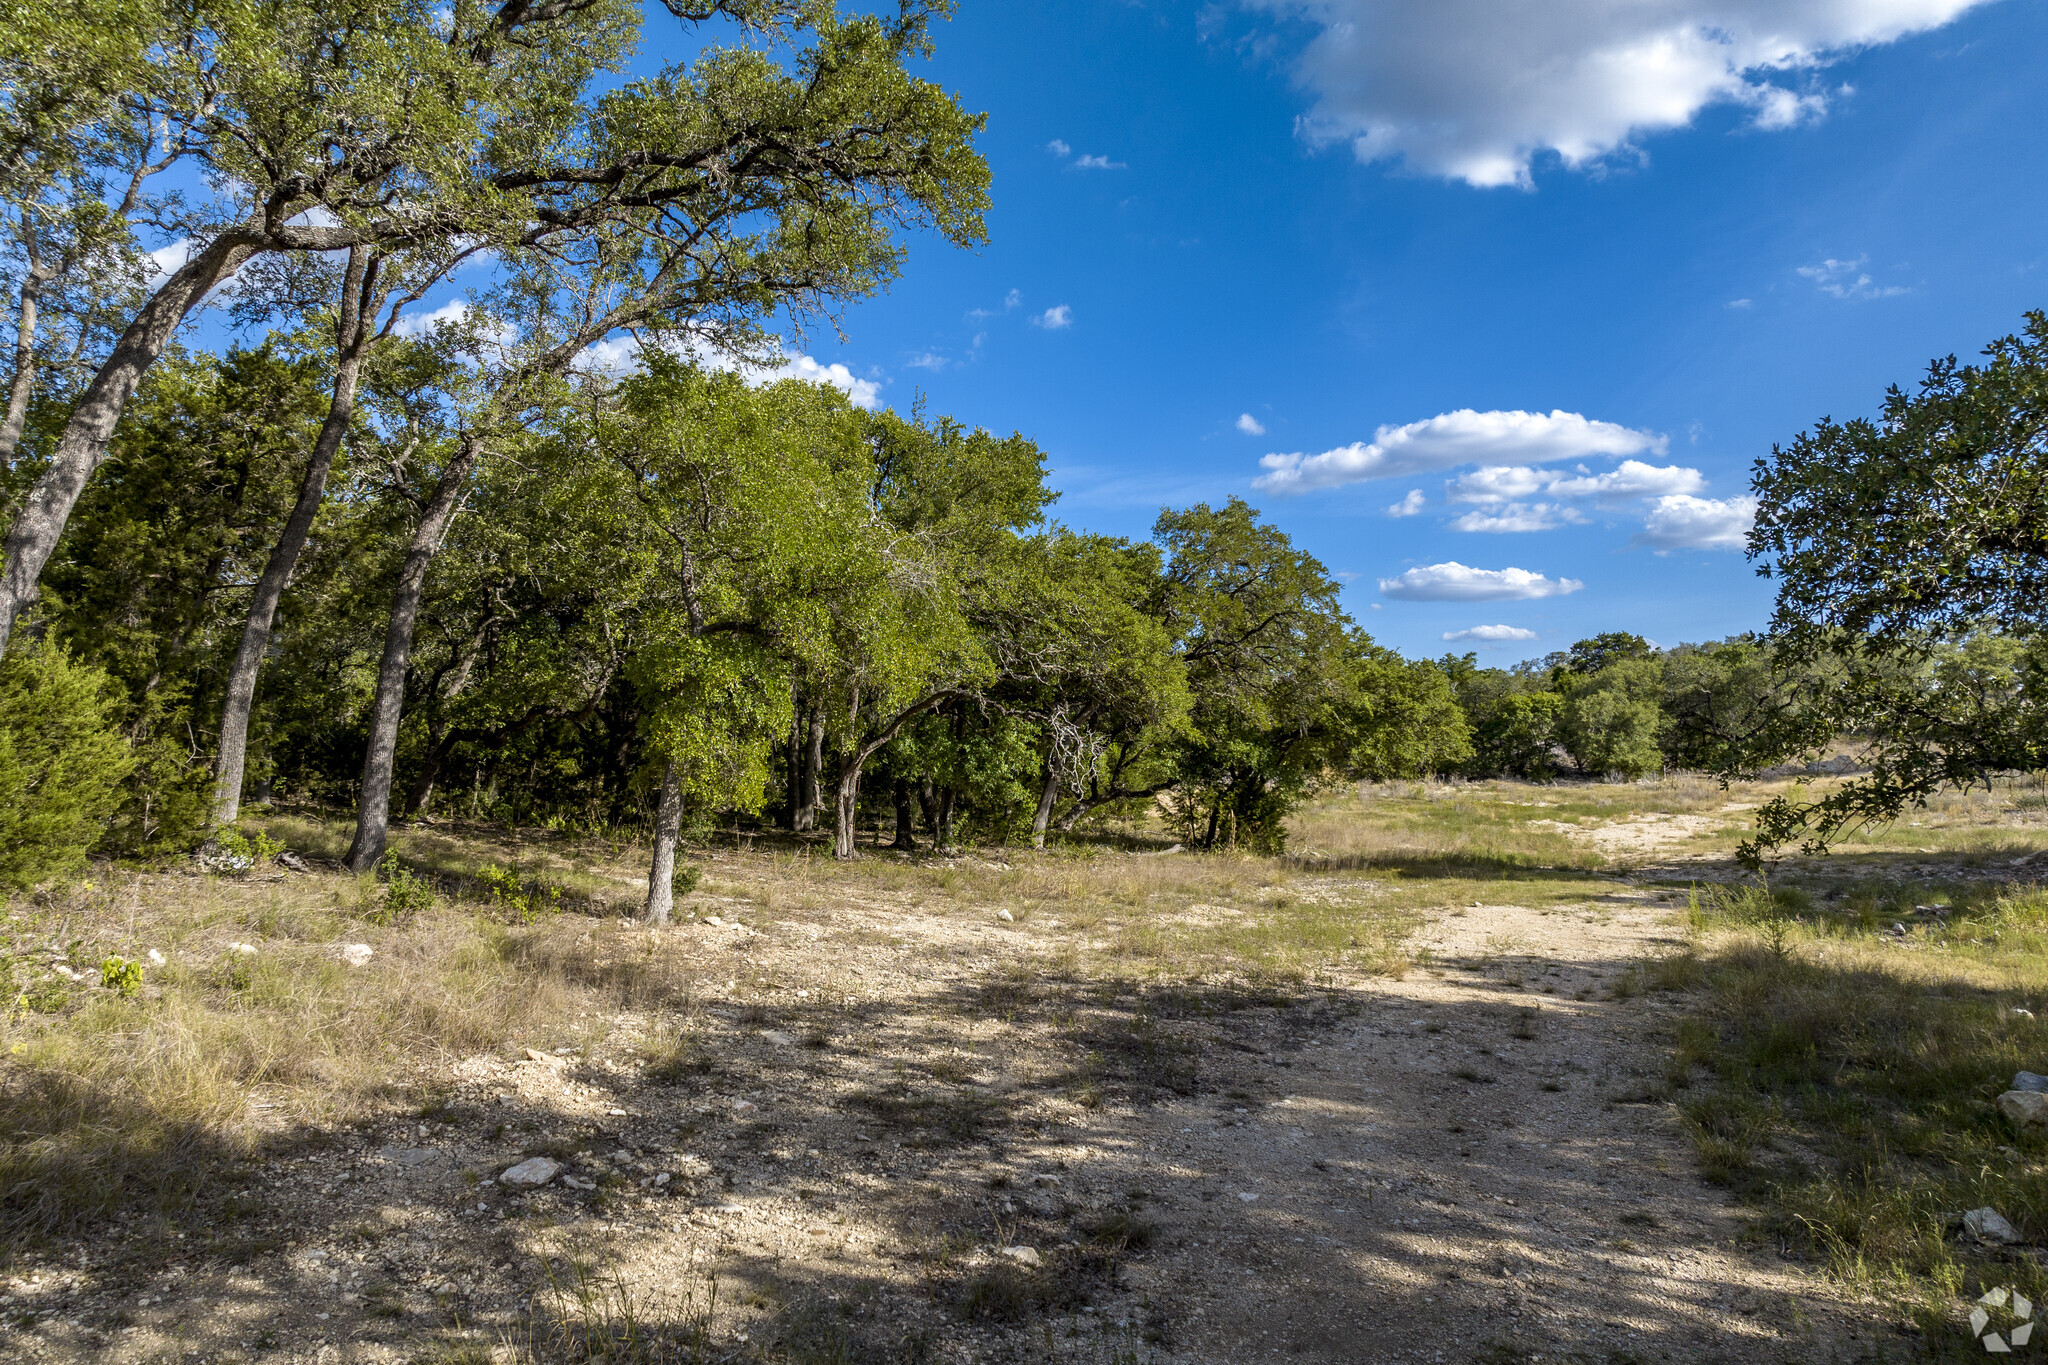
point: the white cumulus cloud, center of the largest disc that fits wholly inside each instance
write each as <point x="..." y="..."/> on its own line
<point x="1629" y="479"/>
<point x="1409" y="506"/>
<point x="1519" y="516"/>
<point x="1680" y="522"/>
<point x="1054" y="319"/>
<point x="1454" y="582"/>
<point x="166" y="261"/>
<point x="1475" y="89"/>
<point x="619" y="356"/>
<point x="1489" y="634"/>
<point x="1059" y="147"/>
<point x="1250" y="425"/>
<point x="1452" y="439"/>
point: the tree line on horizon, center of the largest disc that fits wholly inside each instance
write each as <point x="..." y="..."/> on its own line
<point x="466" y="563"/>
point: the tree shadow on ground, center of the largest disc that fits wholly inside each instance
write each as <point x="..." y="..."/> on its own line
<point x="1043" y="1167"/>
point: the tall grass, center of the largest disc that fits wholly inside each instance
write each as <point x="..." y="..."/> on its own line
<point x="1845" y="1080"/>
<point x="111" y="1101"/>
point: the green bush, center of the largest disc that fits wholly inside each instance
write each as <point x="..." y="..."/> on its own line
<point x="406" y="893"/>
<point x="62" y="764"/>
<point x="241" y="850"/>
<point x="504" y="887"/>
<point x="119" y="974"/>
<point x="686" y="878"/>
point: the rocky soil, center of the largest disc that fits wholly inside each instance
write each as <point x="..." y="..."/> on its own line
<point x="890" y="1134"/>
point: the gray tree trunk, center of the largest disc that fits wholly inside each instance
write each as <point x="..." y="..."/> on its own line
<point x="373" y="819"/>
<point x="668" y="823"/>
<point x="360" y="302"/>
<point x="23" y="384"/>
<point x="814" y="766"/>
<point x="83" y="446"/>
<point x="848" y="802"/>
<point x="1048" y="794"/>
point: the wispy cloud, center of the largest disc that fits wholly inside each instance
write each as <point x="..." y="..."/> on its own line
<point x="1491" y="635"/>
<point x="1087" y="161"/>
<point x="1054" y="319"/>
<point x="1250" y="425"/>
<point x="1848" y="280"/>
<point x="1455" y="582"/>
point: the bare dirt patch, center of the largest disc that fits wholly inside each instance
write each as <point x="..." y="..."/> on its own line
<point x="872" y="1128"/>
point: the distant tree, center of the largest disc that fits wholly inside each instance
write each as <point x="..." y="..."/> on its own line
<point x="1610" y="647"/>
<point x="1512" y="718"/>
<point x="1611" y="723"/>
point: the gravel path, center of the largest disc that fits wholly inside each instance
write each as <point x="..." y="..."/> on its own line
<point x="918" y="1142"/>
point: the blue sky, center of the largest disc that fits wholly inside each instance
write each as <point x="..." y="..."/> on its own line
<point x="1668" y="239"/>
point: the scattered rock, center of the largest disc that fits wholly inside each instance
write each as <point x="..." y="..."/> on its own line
<point x="157" y="959"/>
<point x="2026" y="1110"/>
<point x="531" y="1174"/>
<point x="2022" y="1014"/>
<point x="1006" y="917"/>
<point x="744" y="1106"/>
<point x="576" y="1183"/>
<point x="714" y="920"/>
<point x="1988" y="1225"/>
<point x="778" y="1037"/>
<point x="1247" y="1196"/>
<point x="242" y="949"/>
<point x="293" y="861"/>
<point x="1023" y="1256"/>
<point x="357" y="954"/>
<point x="2028" y="1081"/>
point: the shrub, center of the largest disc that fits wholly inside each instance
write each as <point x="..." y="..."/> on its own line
<point x="241" y="850"/>
<point x="406" y="893"/>
<point x="504" y="887"/>
<point x="119" y="974"/>
<point x="686" y="879"/>
<point x="62" y="764"/>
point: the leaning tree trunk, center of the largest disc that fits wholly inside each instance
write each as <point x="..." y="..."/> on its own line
<point x="351" y="340"/>
<point x="83" y="446"/>
<point x="1048" y="794"/>
<point x="849" y="772"/>
<point x="373" y="819"/>
<point x="23" y="384"/>
<point x="668" y="823"/>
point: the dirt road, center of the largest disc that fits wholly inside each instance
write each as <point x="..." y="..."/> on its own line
<point x="893" y="1134"/>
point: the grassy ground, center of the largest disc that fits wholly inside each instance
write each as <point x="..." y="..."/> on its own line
<point x="1840" y="1073"/>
